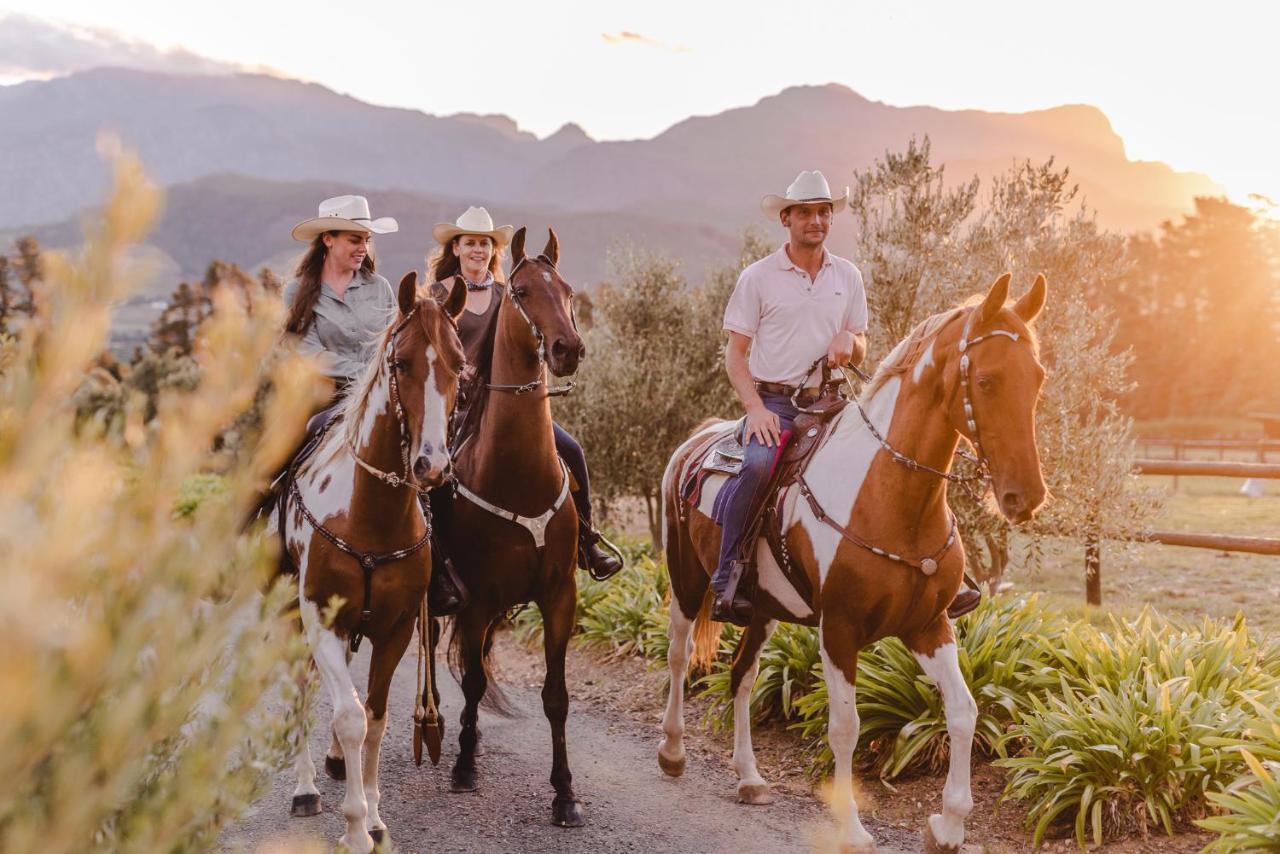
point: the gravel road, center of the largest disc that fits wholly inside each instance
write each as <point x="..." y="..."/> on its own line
<point x="629" y="804"/>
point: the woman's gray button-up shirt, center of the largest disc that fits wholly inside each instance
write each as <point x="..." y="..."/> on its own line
<point x="344" y="330"/>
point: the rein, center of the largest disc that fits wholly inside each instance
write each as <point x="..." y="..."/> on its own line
<point x="391" y="478"/>
<point x="533" y="385"/>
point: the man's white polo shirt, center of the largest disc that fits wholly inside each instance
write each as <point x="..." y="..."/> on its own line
<point x="792" y="319"/>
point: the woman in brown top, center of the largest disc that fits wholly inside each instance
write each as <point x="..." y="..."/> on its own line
<point x="472" y="247"/>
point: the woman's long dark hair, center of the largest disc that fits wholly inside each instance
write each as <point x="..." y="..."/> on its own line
<point x="442" y="263"/>
<point x="302" y="312"/>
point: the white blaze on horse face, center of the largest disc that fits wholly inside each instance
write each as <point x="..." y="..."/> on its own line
<point x="546" y="277"/>
<point x="435" y="418"/>
<point x="837" y="471"/>
<point x="926" y="361"/>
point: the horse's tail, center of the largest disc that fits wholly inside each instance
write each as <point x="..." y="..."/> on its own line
<point x="495" y="699"/>
<point x="706" y="635"/>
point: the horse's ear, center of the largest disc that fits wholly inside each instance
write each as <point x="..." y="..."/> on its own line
<point x="408" y="291"/>
<point x="995" y="297"/>
<point x="456" y="301"/>
<point x="517" y="247"/>
<point x="1030" y="303"/>
<point x="552" y="252"/>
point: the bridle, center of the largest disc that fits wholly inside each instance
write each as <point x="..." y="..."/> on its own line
<point x="966" y="482"/>
<point x="539" y="381"/>
<point x="406" y="441"/>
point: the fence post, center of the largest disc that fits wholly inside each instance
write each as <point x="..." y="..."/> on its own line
<point x="1177" y="455"/>
<point x="1092" y="571"/>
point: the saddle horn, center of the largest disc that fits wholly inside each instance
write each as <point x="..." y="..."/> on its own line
<point x="517" y="247"/>
<point x="552" y="252"/>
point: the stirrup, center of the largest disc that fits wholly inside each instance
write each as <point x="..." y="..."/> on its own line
<point x="596" y="539"/>
<point x="733" y="604"/>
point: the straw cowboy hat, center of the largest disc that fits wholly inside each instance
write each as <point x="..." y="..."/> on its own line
<point x="808" y="187"/>
<point x="343" y="213"/>
<point x="474" y="221"/>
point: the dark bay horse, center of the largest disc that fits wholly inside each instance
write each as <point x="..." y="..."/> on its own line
<point x="513" y="531"/>
<point x="869" y="525"/>
<point x="353" y="528"/>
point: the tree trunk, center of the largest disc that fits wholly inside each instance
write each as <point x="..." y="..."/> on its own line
<point x="1093" y="571"/>
<point x="655" y="523"/>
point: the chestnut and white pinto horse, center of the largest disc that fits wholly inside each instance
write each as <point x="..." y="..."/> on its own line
<point x="353" y="528"/>
<point x="869" y="525"/>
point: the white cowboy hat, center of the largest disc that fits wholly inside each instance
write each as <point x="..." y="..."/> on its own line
<point x="343" y="213"/>
<point x="474" y="221"/>
<point x="807" y="187"/>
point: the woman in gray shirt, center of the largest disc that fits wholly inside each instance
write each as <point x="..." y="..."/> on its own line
<point x="337" y="303"/>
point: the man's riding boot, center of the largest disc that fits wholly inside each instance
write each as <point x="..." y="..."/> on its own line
<point x="733" y="600"/>
<point x="446" y="594"/>
<point x="966" y="600"/>
<point x="599" y="557"/>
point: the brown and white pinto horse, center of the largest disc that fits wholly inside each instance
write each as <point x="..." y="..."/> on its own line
<point x="972" y="371"/>
<point x="353" y="528"/>
<point x="513" y="531"/>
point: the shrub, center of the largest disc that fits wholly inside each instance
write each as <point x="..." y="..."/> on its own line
<point x="138" y="648"/>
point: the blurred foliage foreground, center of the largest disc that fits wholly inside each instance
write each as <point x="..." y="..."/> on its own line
<point x="139" y="651"/>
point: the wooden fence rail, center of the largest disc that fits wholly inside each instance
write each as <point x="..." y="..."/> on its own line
<point x="1197" y="468"/>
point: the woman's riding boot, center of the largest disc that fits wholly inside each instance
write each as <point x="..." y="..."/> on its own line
<point x="446" y="594"/>
<point x="599" y="557"/>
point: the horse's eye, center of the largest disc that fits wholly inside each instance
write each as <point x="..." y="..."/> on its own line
<point x="399" y="364"/>
<point x="986" y="383"/>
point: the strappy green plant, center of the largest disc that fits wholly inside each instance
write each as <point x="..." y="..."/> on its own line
<point x="1250" y="805"/>
<point x="790" y="669"/>
<point x="1111" y="761"/>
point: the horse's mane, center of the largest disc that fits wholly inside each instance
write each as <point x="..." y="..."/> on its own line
<point x="906" y="355"/>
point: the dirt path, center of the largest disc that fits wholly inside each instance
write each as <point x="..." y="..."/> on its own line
<point x="630" y="805"/>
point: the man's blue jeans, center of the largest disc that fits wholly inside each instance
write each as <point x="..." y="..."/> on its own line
<point x="747" y="488"/>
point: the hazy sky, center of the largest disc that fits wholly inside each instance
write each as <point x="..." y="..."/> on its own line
<point x="1192" y="84"/>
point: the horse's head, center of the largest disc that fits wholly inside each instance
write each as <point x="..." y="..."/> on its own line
<point x="426" y="359"/>
<point x="993" y="384"/>
<point x="546" y="302"/>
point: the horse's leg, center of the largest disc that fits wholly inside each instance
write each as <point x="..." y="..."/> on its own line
<point x="330" y="653"/>
<point x="306" y="797"/>
<point x="752" y="789"/>
<point x="334" y="765"/>
<point x="469" y="627"/>
<point x="842" y="734"/>
<point x="433" y="640"/>
<point x="671" y="756"/>
<point x="935" y="649"/>
<point x="382" y="666"/>
<point x="557" y="625"/>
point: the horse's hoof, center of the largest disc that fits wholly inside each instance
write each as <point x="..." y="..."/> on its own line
<point x="931" y="843"/>
<point x="567" y="813"/>
<point x="335" y="767"/>
<point x="464" y="780"/>
<point x="849" y="848"/>
<point x="304" y="806"/>
<point x="671" y="767"/>
<point x="377" y="833"/>
<point x="758" y="794"/>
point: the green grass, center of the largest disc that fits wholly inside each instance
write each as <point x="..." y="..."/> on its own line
<point x="1183" y="582"/>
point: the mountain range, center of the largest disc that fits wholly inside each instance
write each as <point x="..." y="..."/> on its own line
<point x="246" y="156"/>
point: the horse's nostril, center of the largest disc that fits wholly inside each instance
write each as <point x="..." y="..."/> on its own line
<point x="421" y="467"/>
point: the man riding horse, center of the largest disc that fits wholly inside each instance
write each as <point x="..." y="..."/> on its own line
<point x="787" y="311"/>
